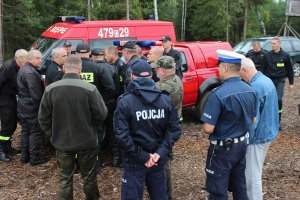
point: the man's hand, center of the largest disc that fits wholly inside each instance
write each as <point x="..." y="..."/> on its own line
<point x="291" y="87"/>
<point x="152" y="160"/>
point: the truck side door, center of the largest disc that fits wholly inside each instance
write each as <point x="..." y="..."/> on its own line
<point x="189" y="79"/>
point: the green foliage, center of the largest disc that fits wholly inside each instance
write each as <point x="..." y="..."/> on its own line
<point x="25" y="20"/>
<point x="207" y="20"/>
<point x="276" y="17"/>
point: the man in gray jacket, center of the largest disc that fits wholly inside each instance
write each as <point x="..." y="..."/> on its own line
<point x="70" y="111"/>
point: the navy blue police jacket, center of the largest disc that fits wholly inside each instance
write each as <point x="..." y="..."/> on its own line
<point x="146" y="122"/>
<point x="231" y="108"/>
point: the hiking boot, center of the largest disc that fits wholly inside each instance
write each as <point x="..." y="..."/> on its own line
<point x="38" y="160"/>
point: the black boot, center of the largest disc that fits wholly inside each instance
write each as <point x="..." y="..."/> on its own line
<point x="116" y="158"/>
<point x="10" y="150"/>
<point x="25" y="155"/>
<point x="280" y="128"/>
<point x="37" y="160"/>
<point x="3" y="156"/>
<point x="98" y="166"/>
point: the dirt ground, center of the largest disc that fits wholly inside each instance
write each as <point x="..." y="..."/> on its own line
<point x="281" y="178"/>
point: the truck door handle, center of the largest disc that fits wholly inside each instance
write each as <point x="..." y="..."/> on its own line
<point x="188" y="79"/>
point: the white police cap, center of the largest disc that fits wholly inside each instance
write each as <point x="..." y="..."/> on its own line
<point x="229" y="56"/>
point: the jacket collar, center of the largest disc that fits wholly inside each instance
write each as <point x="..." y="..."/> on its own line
<point x="71" y="76"/>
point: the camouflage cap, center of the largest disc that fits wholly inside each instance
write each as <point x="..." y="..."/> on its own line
<point x="166" y="62"/>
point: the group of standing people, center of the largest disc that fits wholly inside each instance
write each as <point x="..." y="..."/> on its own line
<point x="76" y="103"/>
<point x="79" y="106"/>
<point x="242" y="117"/>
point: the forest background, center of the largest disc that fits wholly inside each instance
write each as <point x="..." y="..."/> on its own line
<point x="231" y="20"/>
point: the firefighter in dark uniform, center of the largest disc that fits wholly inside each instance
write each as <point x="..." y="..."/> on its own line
<point x="129" y="53"/>
<point x="147" y="127"/>
<point x="100" y="77"/>
<point x="98" y="56"/>
<point x="111" y="56"/>
<point x="30" y="92"/>
<point x="256" y="54"/>
<point x="228" y="115"/>
<point x="95" y="74"/>
<point x="54" y="70"/>
<point x="169" y="51"/>
<point x="277" y="67"/>
<point x="8" y="102"/>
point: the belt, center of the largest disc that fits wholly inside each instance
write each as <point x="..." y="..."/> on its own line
<point x="235" y="140"/>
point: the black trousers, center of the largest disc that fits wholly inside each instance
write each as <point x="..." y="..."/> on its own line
<point x="8" y="118"/>
<point x="31" y="136"/>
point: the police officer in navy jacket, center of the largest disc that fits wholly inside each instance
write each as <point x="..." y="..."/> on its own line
<point x="147" y="127"/>
<point x="228" y="115"/>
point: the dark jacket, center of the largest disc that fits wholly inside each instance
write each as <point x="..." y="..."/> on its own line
<point x="52" y="71"/>
<point x="70" y="111"/>
<point x="99" y="76"/>
<point x="8" y="80"/>
<point x="257" y="57"/>
<point x="127" y="72"/>
<point x="113" y="71"/>
<point x="120" y="65"/>
<point x="177" y="58"/>
<point x="146" y="122"/>
<point x="30" y="91"/>
<point x="278" y="65"/>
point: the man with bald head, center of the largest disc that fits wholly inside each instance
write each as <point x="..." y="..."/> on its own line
<point x="30" y="92"/>
<point x="8" y="104"/>
<point x="58" y="56"/>
<point x="70" y="112"/>
<point x="154" y="54"/>
<point x="265" y="129"/>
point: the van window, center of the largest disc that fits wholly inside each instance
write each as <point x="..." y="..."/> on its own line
<point x="73" y="42"/>
<point x="107" y="42"/>
<point x="286" y="46"/>
<point x="184" y="66"/>
<point x="43" y="44"/>
<point x="268" y="46"/>
<point x="296" y="44"/>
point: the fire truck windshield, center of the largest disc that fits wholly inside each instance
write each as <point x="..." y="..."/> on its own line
<point x="43" y="44"/>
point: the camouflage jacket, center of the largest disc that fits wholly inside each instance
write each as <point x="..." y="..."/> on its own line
<point x="173" y="85"/>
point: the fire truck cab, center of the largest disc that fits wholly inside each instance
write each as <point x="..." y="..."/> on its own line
<point x="99" y="33"/>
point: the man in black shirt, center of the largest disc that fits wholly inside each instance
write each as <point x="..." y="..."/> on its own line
<point x="277" y="67"/>
<point x="58" y="56"/>
<point x="8" y="103"/>
<point x="169" y="51"/>
<point x="256" y="54"/>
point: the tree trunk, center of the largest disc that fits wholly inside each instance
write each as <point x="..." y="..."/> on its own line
<point x="227" y="21"/>
<point x="183" y="19"/>
<point x="262" y="24"/>
<point x="155" y="10"/>
<point x="127" y="9"/>
<point x="245" y="19"/>
<point x="89" y="10"/>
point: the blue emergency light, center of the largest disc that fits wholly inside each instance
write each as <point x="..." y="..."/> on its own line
<point x="74" y="19"/>
<point x="142" y="44"/>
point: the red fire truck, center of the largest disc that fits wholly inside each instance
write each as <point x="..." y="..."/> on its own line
<point x="99" y="33"/>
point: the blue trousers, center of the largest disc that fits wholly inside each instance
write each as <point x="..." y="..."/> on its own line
<point x="135" y="177"/>
<point x="225" y="171"/>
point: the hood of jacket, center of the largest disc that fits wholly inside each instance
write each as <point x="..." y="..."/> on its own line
<point x="145" y="88"/>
